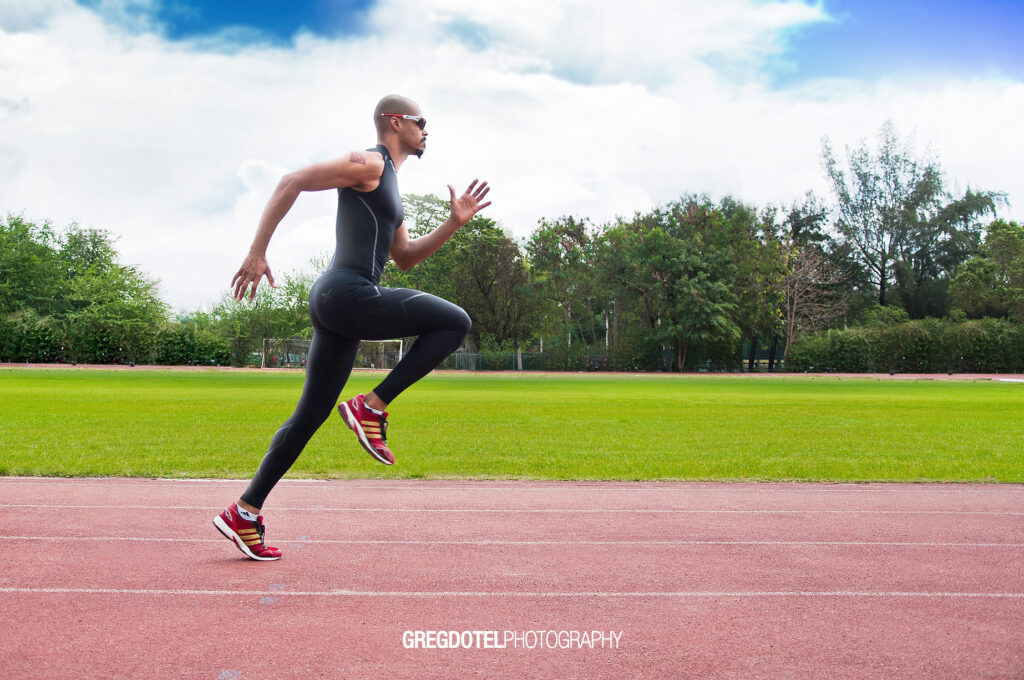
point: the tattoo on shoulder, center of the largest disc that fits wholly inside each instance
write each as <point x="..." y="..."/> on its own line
<point x="357" y="157"/>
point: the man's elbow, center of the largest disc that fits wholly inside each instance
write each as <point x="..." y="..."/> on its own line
<point x="291" y="184"/>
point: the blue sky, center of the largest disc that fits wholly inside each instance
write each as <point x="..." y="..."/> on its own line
<point x="862" y="39"/>
<point x="170" y="122"/>
<point x="274" y="21"/>
<point x="870" y="39"/>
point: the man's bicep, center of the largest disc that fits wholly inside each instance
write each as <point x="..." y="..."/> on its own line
<point x="351" y="170"/>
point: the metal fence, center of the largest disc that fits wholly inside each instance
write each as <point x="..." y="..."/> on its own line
<point x="293" y="353"/>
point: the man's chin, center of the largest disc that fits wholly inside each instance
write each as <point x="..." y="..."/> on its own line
<point x="419" y="153"/>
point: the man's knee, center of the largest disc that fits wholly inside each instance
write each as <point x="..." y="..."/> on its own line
<point x="462" y="321"/>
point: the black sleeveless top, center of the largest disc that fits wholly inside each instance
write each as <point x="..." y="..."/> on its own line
<point x="366" y="223"/>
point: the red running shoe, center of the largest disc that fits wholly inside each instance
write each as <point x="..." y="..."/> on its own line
<point x="370" y="428"/>
<point x="248" y="536"/>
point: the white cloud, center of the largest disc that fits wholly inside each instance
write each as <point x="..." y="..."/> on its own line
<point x="592" y="108"/>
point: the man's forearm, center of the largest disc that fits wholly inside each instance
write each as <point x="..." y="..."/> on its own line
<point x="277" y="207"/>
<point x="423" y="247"/>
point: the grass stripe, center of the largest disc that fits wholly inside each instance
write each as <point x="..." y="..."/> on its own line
<point x="218" y="424"/>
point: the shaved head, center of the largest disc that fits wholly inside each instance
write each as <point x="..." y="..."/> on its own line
<point x="392" y="103"/>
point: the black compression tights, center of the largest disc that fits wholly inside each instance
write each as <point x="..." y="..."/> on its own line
<point x="346" y="308"/>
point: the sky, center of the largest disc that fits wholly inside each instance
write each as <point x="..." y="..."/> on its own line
<point x="170" y="122"/>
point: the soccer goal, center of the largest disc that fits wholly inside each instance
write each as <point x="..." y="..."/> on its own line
<point x="283" y="353"/>
<point x="380" y="353"/>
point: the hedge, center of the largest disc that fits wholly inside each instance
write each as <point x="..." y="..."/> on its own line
<point x="28" y="338"/>
<point x="924" y="346"/>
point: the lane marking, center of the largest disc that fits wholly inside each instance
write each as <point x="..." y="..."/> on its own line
<point x="425" y="485"/>
<point x="484" y="542"/>
<point x="558" y="511"/>
<point x="507" y="594"/>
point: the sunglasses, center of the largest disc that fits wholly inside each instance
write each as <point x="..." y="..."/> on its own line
<point x="420" y="120"/>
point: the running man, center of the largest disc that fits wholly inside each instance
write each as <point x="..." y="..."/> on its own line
<point x="347" y="305"/>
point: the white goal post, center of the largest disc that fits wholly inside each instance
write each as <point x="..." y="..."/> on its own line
<point x="293" y="352"/>
<point x="376" y="353"/>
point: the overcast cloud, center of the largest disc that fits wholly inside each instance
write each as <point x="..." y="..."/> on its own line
<point x="597" y="109"/>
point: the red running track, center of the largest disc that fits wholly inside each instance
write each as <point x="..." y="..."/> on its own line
<point x="108" y="578"/>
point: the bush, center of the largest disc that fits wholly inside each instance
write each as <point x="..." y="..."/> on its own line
<point x="924" y="346"/>
<point x="27" y="337"/>
<point x="184" y="345"/>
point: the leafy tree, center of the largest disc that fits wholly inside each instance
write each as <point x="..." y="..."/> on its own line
<point x="114" y="313"/>
<point x="975" y="289"/>
<point x="992" y="282"/>
<point x="900" y="223"/>
<point x="438" y="273"/>
<point x="72" y="297"/>
<point x="674" y="269"/>
<point x="30" y="269"/>
<point x="807" y="221"/>
<point x="493" y="287"/>
<point x="759" y="269"/>
<point x="281" y="312"/>
<point x="561" y="254"/>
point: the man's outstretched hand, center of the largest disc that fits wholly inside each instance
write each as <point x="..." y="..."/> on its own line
<point x="468" y="204"/>
<point x="252" y="270"/>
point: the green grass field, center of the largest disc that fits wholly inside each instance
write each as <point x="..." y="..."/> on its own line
<point x="218" y="424"/>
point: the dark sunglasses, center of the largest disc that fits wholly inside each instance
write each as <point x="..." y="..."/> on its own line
<point x="420" y="120"/>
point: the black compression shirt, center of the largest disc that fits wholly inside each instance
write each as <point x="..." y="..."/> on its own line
<point x="366" y="223"/>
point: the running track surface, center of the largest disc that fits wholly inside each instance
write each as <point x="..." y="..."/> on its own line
<point x="108" y="578"/>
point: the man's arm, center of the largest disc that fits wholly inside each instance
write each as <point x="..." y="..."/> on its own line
<point x="407" y="253"/>
<point x="359" y="170"/>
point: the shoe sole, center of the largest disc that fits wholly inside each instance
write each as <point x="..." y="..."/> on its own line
<point x="353" y="424"/>
<point x="223" y="528"/>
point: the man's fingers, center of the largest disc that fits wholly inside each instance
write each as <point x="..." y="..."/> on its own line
<point x="451" y="190"/>
<point x="473" y="184"/>
<point x="481" y="207"/>
<point x="270" y="278"/>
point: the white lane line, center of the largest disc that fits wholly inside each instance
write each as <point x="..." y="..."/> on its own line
<point x="554" y="511"/>
<point x="425" y="485"/>
<point x="499" y="542"/>
<point x="508" y="594"/>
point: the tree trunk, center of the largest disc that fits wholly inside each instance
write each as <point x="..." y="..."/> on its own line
<point x="753" y="353"/>
<point x="519" y="355"/>
<point x="881" y="286"/>
<point x="771" y="353"/>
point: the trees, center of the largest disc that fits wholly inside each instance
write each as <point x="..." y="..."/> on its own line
<point x="561" y="256"/>
<point x="810" y="291"/>
<point x="671" y="273"/>
<point x="113" y="316"/>
<point x="66" y="296"/>
<point x="494" y="288"/>
<point x="437" y="274"/>
<point x="479" y="268"/>
<point x="992" y="282"/>
<point x="900" y="223"/>
<point x="30" y="268"/>
<point x="281" y="312"/>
